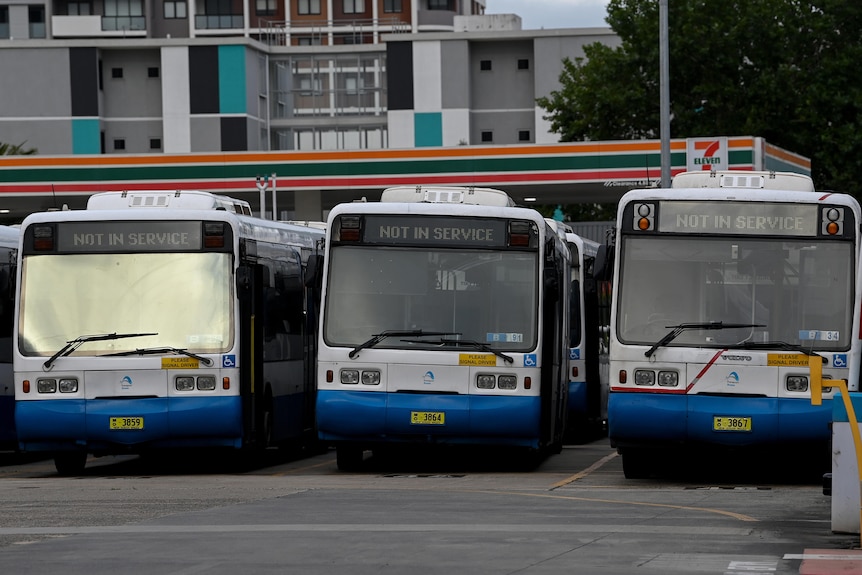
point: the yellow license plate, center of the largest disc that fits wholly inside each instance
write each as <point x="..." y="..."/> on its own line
<point x="126" y="423"/>
<point x="427" y="417"/>
<point x="731" y="423"/>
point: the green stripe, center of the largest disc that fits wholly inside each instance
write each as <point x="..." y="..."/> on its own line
<point x="333" y="169"/>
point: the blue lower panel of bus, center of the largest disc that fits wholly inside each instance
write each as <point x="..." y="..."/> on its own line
<point x="656" y="419"/>
<point x="175" y="422"/>
<point x="577" y="399"/>
<point x="467" y="419"/>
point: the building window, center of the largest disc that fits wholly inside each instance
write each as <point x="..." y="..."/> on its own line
<point x="175" y="9"/>
<point x="487" y="136"/>
<point x="152" y="72"/>
<point x="36" y="15"/>
<point x="119" y="144"/>
<point x="485" y="65"/>
<point x="308" y="7"/>
<point x="391" y="6"/>
<point x="308" y="41"/>
<point x="116" y="72"/>
<point x="439" y="5"/>
<point x="523" y="135"/>
<point x="4" y="21"/>
<point x="353" y="6"/>
<point x="155" y="143"/>
<point x="79" y="9"/>
<point x="523" y="64"/>
<point x="265" y="7"/>
<point x="123" y="15"/>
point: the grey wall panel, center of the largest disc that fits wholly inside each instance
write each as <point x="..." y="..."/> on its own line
<point x="550" y="51"/>
<point x="505" y="126"/>
<point x="46" y="136"/>
<point x="504" y="86"/>
<point x="46" y="93"/>
<point x="455" y="74"/>
<point x="135" y="134"/>
<point x="205" y="134"/>
<point x="135" y="94"/>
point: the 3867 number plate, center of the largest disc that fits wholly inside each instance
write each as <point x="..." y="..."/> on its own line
<point x="126" y="423"/>
<point x="721" y="423"/>
<point x="428" y="417"/>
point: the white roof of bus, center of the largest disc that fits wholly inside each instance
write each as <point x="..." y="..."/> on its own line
<point x="174" y="199"/>
<point x="587" y="246"/>
<point x="446" y="195"/>
<point x="756" y="180"/>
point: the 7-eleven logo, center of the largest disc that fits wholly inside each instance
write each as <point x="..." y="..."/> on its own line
<point x="706" y="154"/>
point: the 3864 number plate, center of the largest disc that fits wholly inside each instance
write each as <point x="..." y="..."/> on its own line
<point x="122" y="423"/>
<point x="722" y="423"/>
<point x="428" y="417"/>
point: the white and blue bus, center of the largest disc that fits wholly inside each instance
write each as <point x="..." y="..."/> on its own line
<point x="723" y="286"/>
<point x="444" y="322"/>
<point x="588" y="353"/>
<point x="8" y="264"/>
<point x="158" y="320"/>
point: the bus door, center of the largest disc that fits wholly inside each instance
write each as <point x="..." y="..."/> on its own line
<point x="250" y="282"/>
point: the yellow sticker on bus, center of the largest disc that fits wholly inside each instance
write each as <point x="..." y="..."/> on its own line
<point x="180" y="363"/>
<point x="787" y="359"/>
<point x="478" y="359"/>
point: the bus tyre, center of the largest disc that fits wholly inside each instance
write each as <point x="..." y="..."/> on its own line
<point x="348" y="457"/>
<point x="636" y="463"/>
<point x="70" y="462"/>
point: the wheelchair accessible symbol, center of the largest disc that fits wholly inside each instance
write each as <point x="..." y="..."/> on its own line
<point x="530" y="360"/>
<point x="839" y="360"/>
<point x="228" y="361"/>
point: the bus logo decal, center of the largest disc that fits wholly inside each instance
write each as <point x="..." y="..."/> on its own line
<point x="530" y="360"/>
<point x="126" y="382"/>
<point x="228" y="360"/>
<point x="428" y="379"/>
<point x="732" y="379"/>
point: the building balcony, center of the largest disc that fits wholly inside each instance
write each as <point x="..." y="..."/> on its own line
<point x="98" y="26"/>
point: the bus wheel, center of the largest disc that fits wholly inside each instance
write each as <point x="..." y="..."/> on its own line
<point x="348" y="457"/>
<point x="70" y="462"/>
<point x="636" y="463"/>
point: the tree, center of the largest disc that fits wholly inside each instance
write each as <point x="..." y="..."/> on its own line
<point x="781" y="69"/>
<point x="15" y="149"/>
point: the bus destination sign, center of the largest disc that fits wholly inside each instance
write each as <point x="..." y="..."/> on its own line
<point x="435" y="231"/>
<point x="123" y="236"/>
<point x="748" y="218"/>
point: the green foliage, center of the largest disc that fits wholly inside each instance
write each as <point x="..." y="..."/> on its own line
<point x="780" y="69"/>
<point x="15" y="150"/>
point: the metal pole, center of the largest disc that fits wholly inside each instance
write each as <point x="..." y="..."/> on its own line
<point x="261" y="187"/>
<point x="274" y="209"/>
<point x="664" y="98"/>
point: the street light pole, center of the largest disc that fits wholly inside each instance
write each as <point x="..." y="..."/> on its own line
<point x="664" y="98"/>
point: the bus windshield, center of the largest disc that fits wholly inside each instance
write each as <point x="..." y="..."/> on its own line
<point x="484" y="296"/>
<point x="776" y="290"/>
<point x="184" y="298"/>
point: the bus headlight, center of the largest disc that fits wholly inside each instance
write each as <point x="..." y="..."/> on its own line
<point x="350" y="376"/>
<point x="644" y="377"/>
<point x="206" y="383"/>
<point x="507" y="382"/>
<point x="796" y="383"/>
<point x="46" y="385"/>
<point x="485" y="381"/>
<point x="370" y="377"/>
<point x="68" y="385"/>
<point x="184" y="383"/>
<point x="668" y="378"/>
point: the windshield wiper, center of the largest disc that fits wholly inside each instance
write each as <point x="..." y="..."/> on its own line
<point x="469" y="342"/>
<point x="678" y="329"/>
<point x="777" y="344"/>
<point x="154" y="350"/>
<point x="82" y="339"/>
<point x="378" y="337"/>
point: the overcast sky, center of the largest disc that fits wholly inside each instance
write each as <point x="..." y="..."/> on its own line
<point x="536" y="14"/>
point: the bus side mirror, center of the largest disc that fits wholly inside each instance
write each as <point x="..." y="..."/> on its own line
<point x="815" y="365"/>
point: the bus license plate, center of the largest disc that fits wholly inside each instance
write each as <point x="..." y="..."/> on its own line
<point x="731" y="423"/>
<point x="427" y="417"/>
<point x="122" y="423"/>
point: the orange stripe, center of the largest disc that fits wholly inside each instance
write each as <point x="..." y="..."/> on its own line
<point x="787" y="156"/>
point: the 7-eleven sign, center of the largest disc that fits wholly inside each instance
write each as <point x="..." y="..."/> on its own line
<point x="706" y="154"/>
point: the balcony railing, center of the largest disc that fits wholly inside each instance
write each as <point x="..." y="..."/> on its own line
<point x="277" y="32"/>
<point x="218" y="21"/>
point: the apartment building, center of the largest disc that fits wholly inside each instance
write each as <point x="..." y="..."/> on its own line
<point x="178" y="76"/>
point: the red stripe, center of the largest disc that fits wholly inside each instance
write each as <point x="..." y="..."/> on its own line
<point x="704" y="370"/>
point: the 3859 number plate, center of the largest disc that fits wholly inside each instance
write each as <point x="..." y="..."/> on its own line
<point x="122" y="423"/>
